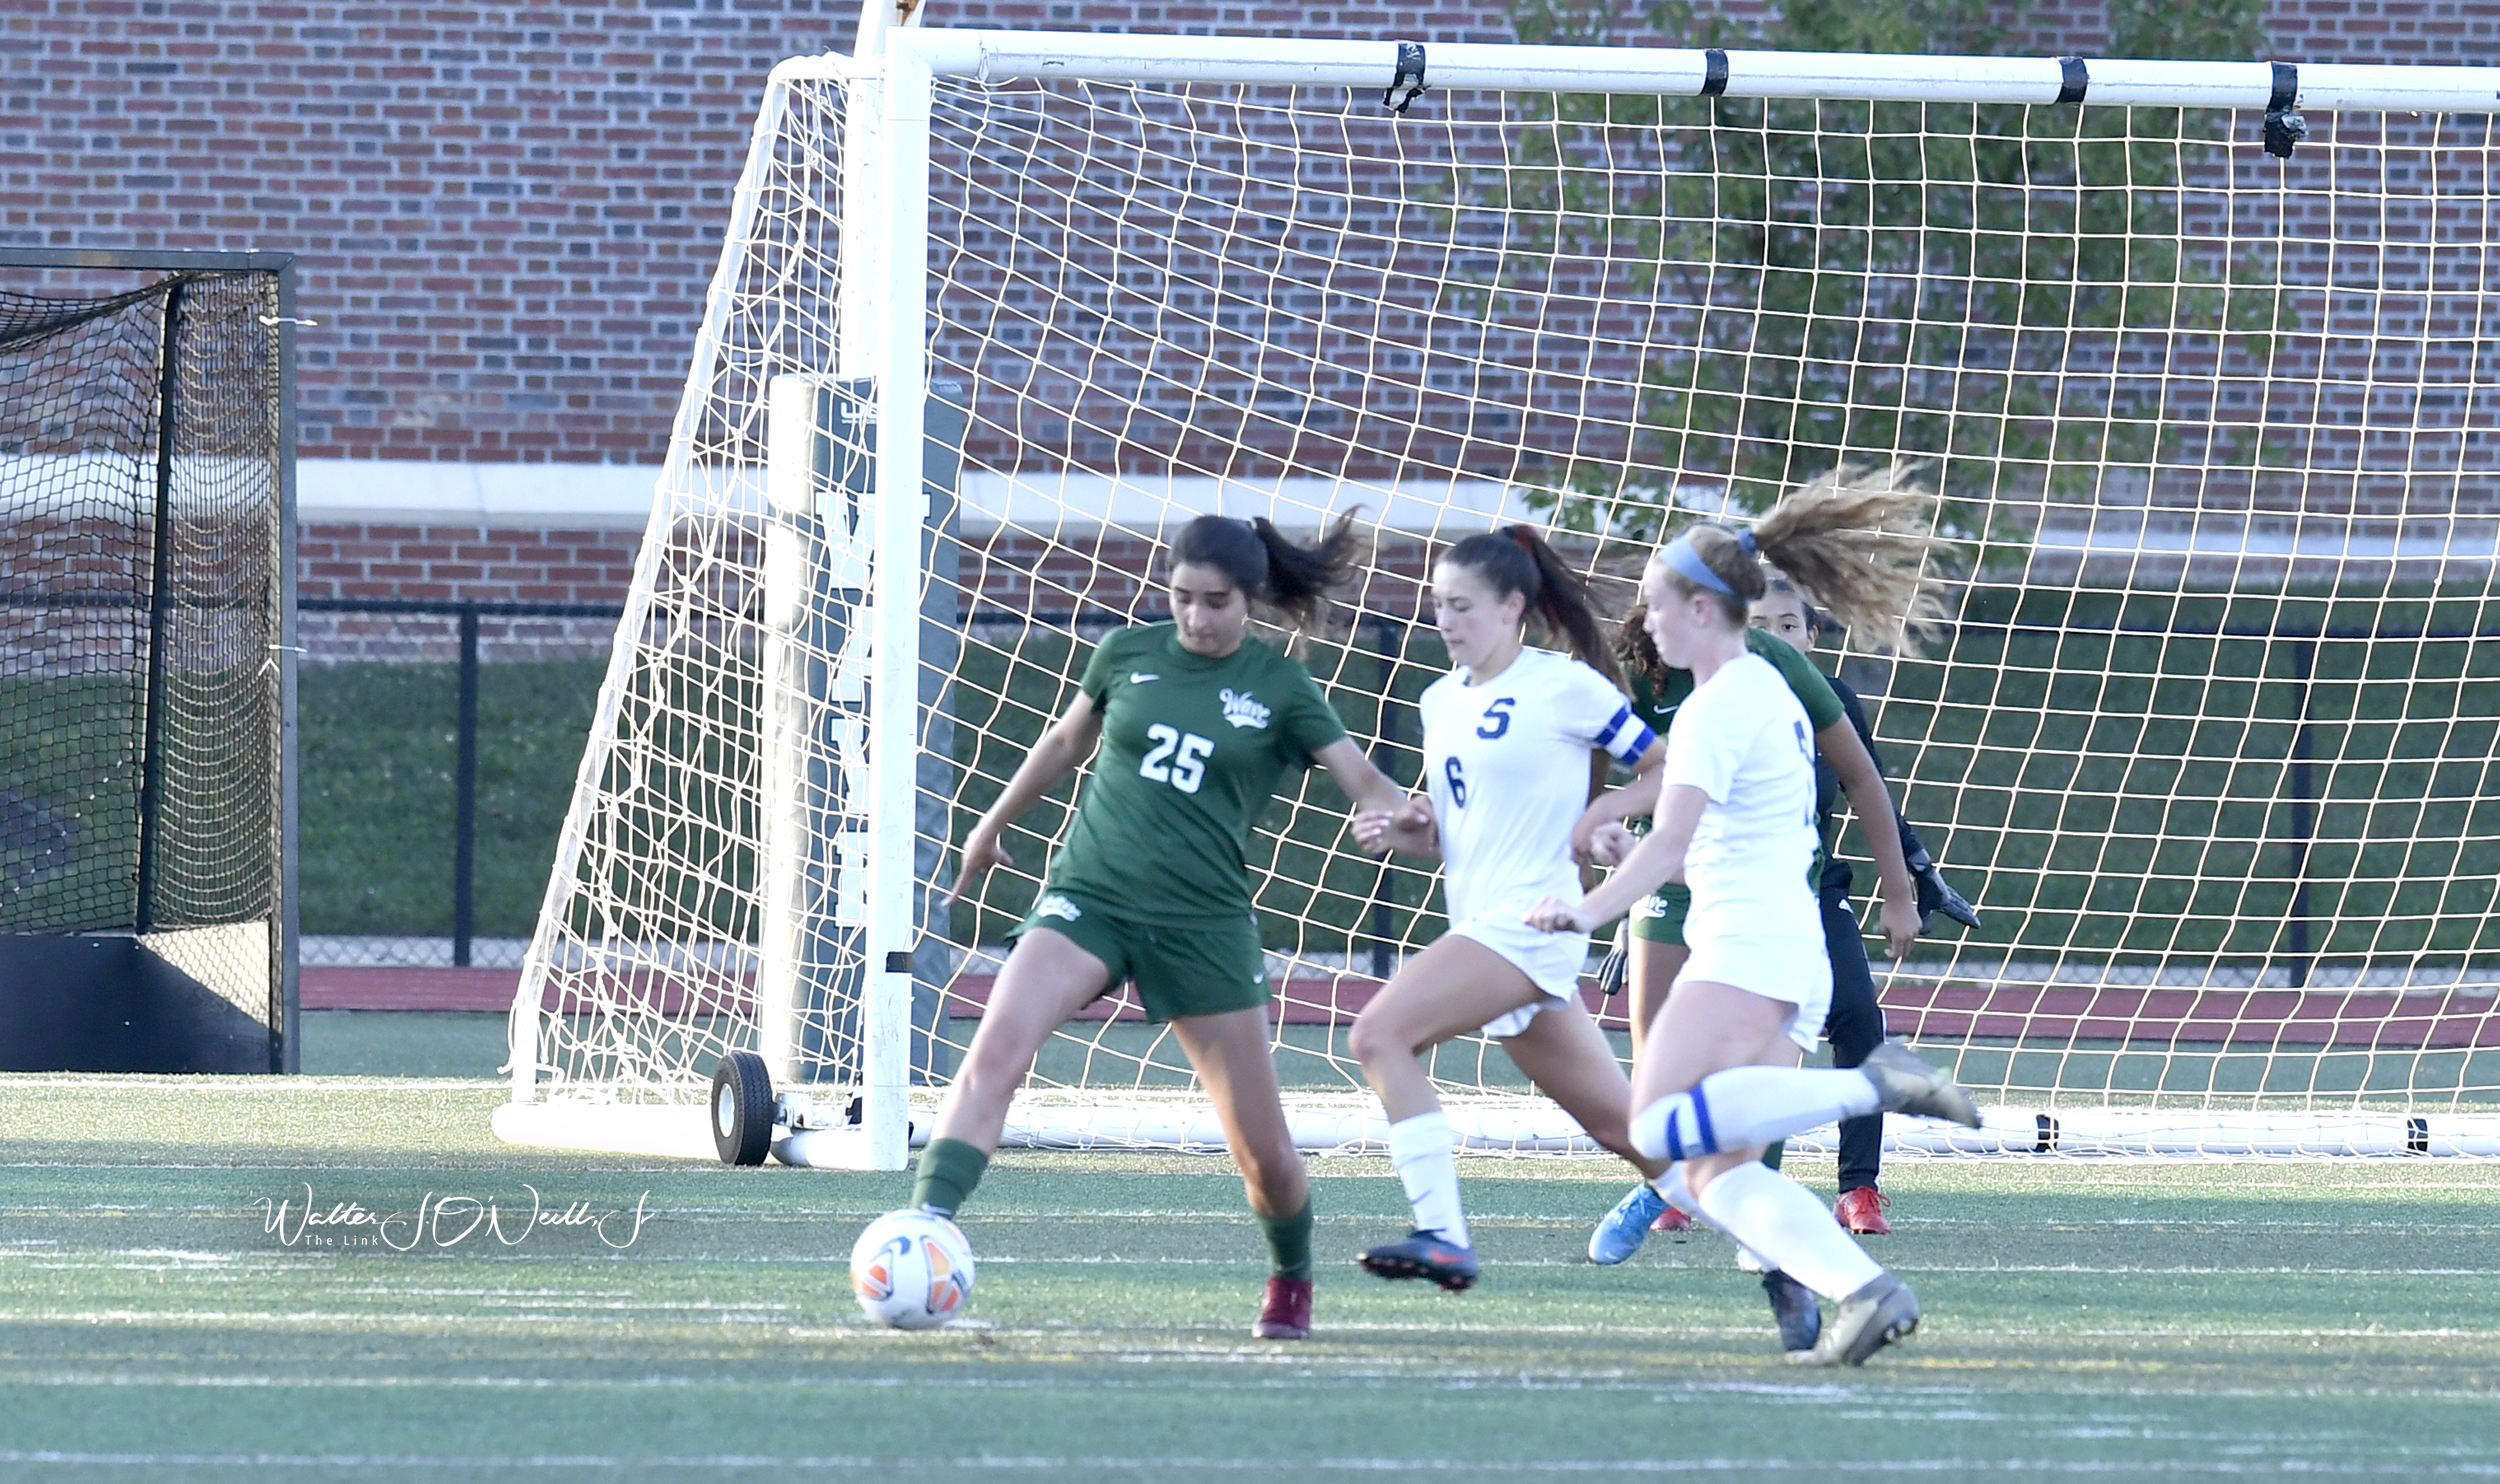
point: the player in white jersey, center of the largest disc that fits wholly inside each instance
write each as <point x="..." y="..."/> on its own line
<point x="1717" y="1078"/>
<point x="1515" y="739"/>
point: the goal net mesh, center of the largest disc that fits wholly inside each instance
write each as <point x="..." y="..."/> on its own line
<point x="2207" y="740"/>
<point x="140" y="599"/>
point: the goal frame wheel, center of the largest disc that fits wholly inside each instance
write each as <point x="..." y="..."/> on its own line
<point x="742" y="1109"/>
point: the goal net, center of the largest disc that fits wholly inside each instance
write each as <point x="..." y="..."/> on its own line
<point x="2197" y="357"/>
<point x="144" y="448"/>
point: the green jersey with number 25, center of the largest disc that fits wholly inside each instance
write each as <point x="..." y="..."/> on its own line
<point x="1192" y="751"/>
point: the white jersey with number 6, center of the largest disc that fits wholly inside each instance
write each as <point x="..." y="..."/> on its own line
<point x="1507" y="763"/>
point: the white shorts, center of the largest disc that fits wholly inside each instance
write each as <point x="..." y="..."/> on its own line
<point x="1552" y="962"/>
<point x="1791" y="969"/>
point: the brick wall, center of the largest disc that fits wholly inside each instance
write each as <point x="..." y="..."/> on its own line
<point x="388" y="563"/>
<point x="507" y="214"/>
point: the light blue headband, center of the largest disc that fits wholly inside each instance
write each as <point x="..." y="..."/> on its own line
<point x="1687" y="563"/>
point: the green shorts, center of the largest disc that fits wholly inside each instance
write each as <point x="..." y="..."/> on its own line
<point x="1211" y="966"/>
<point x="1659" y="917"/>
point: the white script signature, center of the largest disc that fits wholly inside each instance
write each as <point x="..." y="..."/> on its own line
<point x="440" y="1221"/>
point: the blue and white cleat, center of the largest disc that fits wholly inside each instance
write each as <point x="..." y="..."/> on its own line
<point x="1625" y="1227"/>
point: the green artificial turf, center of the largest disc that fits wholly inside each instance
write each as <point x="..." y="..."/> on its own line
<point x="2106" y="1318"/>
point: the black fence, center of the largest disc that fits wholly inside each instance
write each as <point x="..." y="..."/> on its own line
<point x="369" y="643"/>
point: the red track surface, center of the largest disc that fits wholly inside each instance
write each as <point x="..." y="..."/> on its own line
<point x="2434" y="1020"/>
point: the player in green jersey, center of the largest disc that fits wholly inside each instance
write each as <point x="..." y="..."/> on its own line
<point x="1191" y="726"/>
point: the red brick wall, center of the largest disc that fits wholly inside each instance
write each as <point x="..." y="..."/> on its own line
<point x="458" y="563"/>
<point x="462" y="562"/>
<point x="507" y="214"/>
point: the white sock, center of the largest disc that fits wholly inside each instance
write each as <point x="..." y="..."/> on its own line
<point x="1421" y="1149"/>
<point x="1678" y="1194"/>
<point x="1783" y="1222"/>
<point x="1743" y="1107"/>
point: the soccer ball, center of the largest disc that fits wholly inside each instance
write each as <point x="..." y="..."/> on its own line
<point x="911" y="1270"/>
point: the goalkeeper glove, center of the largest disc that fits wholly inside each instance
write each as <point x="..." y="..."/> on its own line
<point x="1935" y="896"/>
<point x="1612" y="973"/>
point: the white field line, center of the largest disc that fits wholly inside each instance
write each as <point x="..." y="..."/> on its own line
<point x="901" y="1466"/>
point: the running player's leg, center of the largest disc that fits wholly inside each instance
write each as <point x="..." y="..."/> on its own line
<point x="1711" y="1043"/>
<point x="1656" y="956"/>
<point x="1567" y="1057"/>
<point x="1564" y="1053"/>
<point x="1652" y="966"/>
<point x="1046" y="980"/>
<point x="1855" y="1028"/>
<point x="1238" y="1067"/>
<point x="1452" y="987"/>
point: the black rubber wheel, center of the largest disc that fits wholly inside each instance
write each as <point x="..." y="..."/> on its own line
<point x="742" y="1109"/>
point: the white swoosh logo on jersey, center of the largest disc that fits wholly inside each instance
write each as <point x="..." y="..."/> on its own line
<point x="1140" y="677"/>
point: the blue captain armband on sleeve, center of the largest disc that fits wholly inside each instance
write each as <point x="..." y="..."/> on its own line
<point x="1626" y="736"/>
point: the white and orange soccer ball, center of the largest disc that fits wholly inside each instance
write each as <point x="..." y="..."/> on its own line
<point x="912" y="1270"/>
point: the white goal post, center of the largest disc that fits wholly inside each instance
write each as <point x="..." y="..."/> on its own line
<point x="1208" y="233"/>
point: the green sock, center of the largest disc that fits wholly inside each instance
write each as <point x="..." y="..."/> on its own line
<point x="1289" y="1238"/>
<point x="1770" y="1156"/>
<point x="949" y="1168"/>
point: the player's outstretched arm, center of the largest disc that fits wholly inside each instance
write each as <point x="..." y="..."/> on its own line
<point x="1384" y="818"/>
<point x="1062" y="750"/>
<point x="1616" y="805"/>
<point x="1934" y="894"/>
<point x="1872" y="799"/>
<point x="1654" y="862"/>
<point x="1409" y="829"/>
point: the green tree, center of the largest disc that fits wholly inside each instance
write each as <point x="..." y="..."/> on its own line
<point x="1985" y="285"/>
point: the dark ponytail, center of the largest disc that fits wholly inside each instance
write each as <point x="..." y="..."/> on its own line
<point x="1515" y="559"/>
<point x="1638" y="652"/>
<point x="1268" y="568"/>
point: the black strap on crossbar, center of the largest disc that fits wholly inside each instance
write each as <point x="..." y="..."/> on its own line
<point x="2075" y="79"/>
<point x="1407" y="84"/>
<point x="1713" y="72"/>
<point x="2284" y="128"/>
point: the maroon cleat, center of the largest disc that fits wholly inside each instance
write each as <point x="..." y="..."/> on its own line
<point x="1286" y="1312"/>
<point x="1672" y="1220"/>
<point x="1862" y="1211"/>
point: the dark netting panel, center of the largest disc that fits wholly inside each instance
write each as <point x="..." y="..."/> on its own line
<point x="212" y="848"/>
<point x="139" y="606"/>
<point x="77" y="473"/>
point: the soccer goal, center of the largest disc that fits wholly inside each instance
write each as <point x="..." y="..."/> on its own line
<point x="2197" y="354"/>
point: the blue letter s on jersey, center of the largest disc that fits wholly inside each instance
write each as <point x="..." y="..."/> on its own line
<point x="1497" y="718"/>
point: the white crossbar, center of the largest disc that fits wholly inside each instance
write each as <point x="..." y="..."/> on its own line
<point x="998" y="56"/>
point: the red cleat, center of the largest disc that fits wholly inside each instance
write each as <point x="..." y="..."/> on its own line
<point x="1862" y="1211"/>
<point x="1672" y="1220"/>
<point x="1286" y="1313"/>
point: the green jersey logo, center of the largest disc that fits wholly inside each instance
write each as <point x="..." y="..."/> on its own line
<point x="1241" y="710"/>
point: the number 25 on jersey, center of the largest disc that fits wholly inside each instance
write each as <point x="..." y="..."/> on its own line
<point x="1185" y="771"/>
